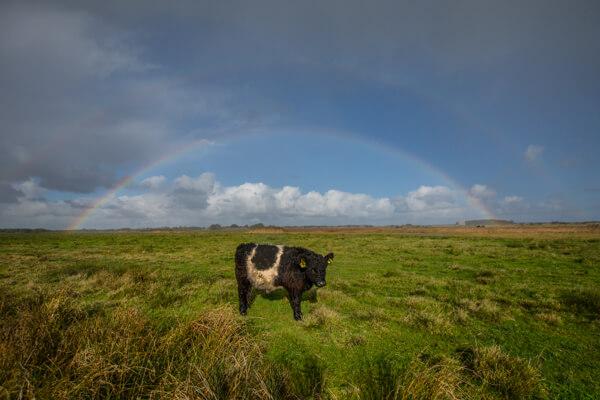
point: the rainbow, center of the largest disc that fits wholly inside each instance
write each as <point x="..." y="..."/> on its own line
<point x="52" y="140"/>
<point x="475" y="202"/>
<point x="127" y="180"/>
<point x="165" y="158"/>
<point x="58" y="138"/>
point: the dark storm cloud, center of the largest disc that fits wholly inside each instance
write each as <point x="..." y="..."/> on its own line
<point x="8" y="194"/>
<point x="80" y="100"/>
<point x="379" y="34"/>
<point x="194" y="193"/>
<point x="55" y="64"/>
<point x="454" y="34"/>
<point x="81" y="80"/>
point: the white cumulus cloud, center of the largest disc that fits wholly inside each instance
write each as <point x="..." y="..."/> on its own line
<point x="203" y="183"/>
<point x="154" y="182"/>
<point x="202" y="201"/>
<point x="482" y="192"/>
<point x="431" y="197"/>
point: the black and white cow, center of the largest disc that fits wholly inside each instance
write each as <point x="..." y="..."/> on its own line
<point x="266" y="267"/>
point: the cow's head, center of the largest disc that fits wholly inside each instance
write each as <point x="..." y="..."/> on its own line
<point x="315" y="267"/>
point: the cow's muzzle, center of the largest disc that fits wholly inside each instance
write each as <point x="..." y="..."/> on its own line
<point x="320" y="284"/>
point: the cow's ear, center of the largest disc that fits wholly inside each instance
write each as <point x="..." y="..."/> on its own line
<point x="329" y="258"/>
<point x="302" y="263"/>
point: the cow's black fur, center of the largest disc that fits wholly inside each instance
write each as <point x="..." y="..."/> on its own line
<point x="298" y="270"/>
<point x="265" y="256"/>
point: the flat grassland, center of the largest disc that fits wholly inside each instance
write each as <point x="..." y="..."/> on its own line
<point x="407" y="313"/>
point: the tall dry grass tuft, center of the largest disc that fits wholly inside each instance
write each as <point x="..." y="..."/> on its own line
<point x="381" y="378"/>
<point x="511" y="377"/>
<point x="322" y="317"/>
<point x="34" y="333"/>
<point x="51" y="348"/>
<point x="441" y="380"/>
<point x="476" y="373"/>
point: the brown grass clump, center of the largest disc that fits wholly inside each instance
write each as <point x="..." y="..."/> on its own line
<point x="52" y="348"/>
<point x="511" y="377"/>
<point x="551" y="318"/>
<point x="477" y="373"/>
<point x="435" y="322"/>
<point x="460" y="316"/>
<point x="486" y="277"/>
<point x="438" y="381"/>
<point x="485" y="308"/>
<point x="381" y="378"/>
<point x="322" y="317"/>
<point x="417" y="302"/>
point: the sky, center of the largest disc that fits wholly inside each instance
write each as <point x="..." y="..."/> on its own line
<point x="140" y="114"/>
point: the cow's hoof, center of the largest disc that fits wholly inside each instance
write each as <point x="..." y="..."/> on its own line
<point x="298" y="317"/>
<point x="242" y="313"/>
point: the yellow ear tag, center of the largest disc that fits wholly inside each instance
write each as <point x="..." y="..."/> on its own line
<point x="302" y="264"/>
<point x="329" y="261"/>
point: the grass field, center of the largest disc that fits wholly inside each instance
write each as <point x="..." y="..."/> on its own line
<point x="425" y="313"/>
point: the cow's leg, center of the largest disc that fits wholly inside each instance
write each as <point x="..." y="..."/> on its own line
<point x="295" y="299"/>
<point x="244" y="288"/>
<point x="249" y="296"/>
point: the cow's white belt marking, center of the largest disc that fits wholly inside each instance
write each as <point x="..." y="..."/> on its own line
<point x="263" y="279"/>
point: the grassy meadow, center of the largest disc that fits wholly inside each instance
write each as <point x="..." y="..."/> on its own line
<point x="424" y="314"/>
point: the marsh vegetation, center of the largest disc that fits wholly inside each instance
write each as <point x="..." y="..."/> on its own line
<point x="443" y="316"/>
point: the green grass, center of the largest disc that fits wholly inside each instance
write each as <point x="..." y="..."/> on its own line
<point x="153" y="315"/>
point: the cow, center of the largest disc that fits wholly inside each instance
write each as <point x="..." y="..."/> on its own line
<point x="267" y="266"/>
